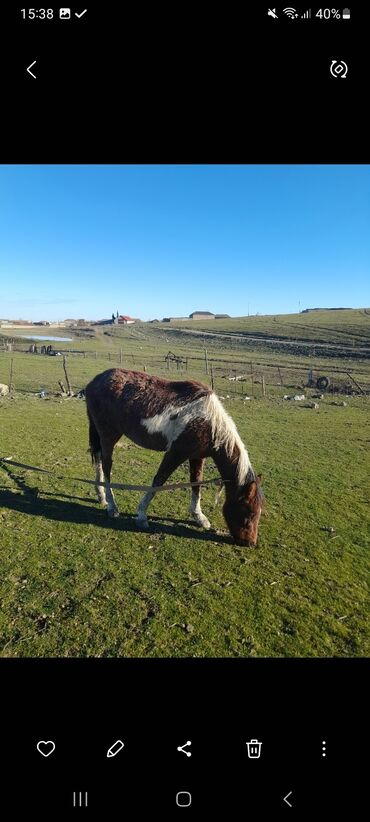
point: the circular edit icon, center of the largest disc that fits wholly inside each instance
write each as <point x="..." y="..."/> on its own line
<point x="183" y="799"/>
<point x="338" y="68"/>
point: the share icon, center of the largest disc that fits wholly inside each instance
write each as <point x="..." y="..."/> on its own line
<point x="181" y="748"/>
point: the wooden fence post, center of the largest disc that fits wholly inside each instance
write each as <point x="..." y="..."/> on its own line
<point x="11" y="386"/>
<point x="120" y="356"/>
<point x="70" y="392"/>
<point x="206" y="360"/>
<point x="263" y="386"/>
<point x="252" y="379"/>
<point x="212" y="380"/>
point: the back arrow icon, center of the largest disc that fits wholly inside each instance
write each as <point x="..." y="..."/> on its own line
<point x="286" y="799"/>
<point x="30" y="72"/>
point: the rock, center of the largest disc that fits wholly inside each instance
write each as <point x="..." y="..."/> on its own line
<point x="313" y="405"/>
<point x="299" y="397"/>
<point x="286" y="397"/>
<point x="4" y="389"/>
<point x="246" y="398"/>
<point x="343" y="404"/>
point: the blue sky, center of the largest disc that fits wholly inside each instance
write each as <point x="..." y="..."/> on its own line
<point x="155" y="241"/>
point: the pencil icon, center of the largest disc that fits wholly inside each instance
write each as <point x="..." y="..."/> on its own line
<point x="115" y="749"/>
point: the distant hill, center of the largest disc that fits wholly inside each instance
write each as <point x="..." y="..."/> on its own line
<point x="306" y="310"/>
<point x="347" y="326"/>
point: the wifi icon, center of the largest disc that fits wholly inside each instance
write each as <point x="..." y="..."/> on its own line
<point x="290" y="12"/>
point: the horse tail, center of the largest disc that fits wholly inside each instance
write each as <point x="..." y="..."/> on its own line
<point x="94" y="440"/>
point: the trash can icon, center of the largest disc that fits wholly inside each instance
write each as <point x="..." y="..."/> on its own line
<point x="254" y="749"/>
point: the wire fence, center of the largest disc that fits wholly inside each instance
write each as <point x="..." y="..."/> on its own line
<point x="26" y="370"/>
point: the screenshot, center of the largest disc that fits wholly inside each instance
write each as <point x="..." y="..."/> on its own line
<point x="184" y="412"/>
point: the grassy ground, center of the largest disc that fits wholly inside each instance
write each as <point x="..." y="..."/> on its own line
<point x="76" y="584"/>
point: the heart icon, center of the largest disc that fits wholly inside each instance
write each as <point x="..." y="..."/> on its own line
<point x="46" y="748"/>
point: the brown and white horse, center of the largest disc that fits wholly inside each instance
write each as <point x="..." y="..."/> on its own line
<point x="188" y="422"/>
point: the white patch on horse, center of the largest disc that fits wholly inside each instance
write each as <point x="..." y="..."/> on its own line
<point x="99" y="478"/>
<point x="172" y="421"/>
<point x="196" y="510"/>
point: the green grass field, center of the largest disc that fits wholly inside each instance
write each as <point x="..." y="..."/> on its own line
<point x="77" y="584"/>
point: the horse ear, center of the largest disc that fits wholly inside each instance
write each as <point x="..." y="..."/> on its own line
<point x="250" y="491"/>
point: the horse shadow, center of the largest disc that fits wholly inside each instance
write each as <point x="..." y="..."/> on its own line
<point x="67" y="508"/>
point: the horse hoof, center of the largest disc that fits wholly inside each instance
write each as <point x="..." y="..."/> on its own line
<point x="143" y="524"/>
<point x="202" y="521"/>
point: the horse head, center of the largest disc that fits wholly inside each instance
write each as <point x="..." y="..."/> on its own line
<point x="242" y="511"/>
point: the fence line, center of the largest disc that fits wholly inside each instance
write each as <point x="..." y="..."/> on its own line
<point x="36" y="373"/>
<point x="117" y="355"/>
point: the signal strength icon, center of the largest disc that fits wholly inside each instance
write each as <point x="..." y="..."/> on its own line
<point x="306" y="15"/>
<point x="292" y="13"/>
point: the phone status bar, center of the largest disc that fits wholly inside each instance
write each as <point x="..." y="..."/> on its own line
<point x="291" y="13"/>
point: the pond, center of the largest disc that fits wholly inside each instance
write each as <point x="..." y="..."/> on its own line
<point x="44" y="337"/>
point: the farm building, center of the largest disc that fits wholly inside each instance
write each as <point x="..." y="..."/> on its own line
<point x="124" y="319"/>
<point x="201" y="315"/>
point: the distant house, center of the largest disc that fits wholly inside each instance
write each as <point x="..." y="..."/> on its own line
<point x="201" y="315"/>
<point x="103" y="322"/>
<point x="173" y="319"/>
<point x="21" y="322"/>
<point x="124" y="319"/>
<point x="42" y="322"/>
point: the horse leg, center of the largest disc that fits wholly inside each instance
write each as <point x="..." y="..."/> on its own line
<point x="170" y="462"/>
<point x="196" y="475"/>
<point x="107" y="450"/>
<point x="99" y="477"/>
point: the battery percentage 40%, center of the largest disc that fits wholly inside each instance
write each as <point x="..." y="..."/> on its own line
<point x="329" y="14"/>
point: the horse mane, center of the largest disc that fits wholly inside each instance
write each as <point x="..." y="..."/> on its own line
<point x="225" y="434"/>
